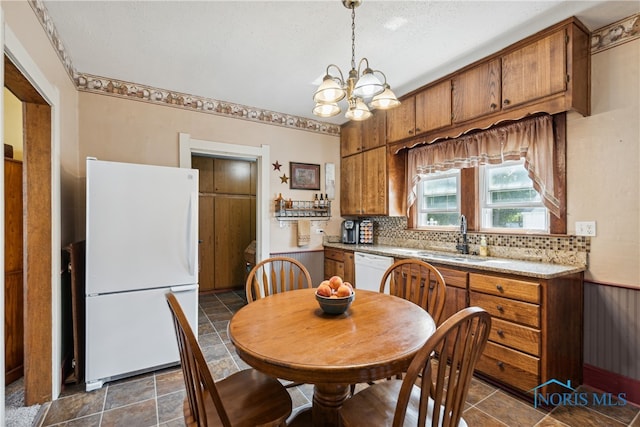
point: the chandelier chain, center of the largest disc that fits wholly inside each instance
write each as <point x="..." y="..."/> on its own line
<point x="353" y="36"/>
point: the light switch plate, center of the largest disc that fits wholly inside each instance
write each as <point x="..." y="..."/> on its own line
<point x="586" y="228"/>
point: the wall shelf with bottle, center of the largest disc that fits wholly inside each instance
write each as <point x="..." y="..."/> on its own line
<point x="294" y="209"/>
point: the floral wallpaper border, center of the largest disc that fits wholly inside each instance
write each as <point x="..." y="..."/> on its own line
<point x="615" y="34"/>
<point x="138" y="92"/>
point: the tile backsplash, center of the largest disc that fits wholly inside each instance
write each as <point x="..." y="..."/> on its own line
<point x="566" y="250"/>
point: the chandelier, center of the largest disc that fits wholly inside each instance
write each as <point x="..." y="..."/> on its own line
<point x="358" y="88"/>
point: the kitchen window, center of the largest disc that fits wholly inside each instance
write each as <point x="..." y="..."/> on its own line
<point x="531" y="152"/>
<point x="508" y="199"/>
<point x="439" y="199"/>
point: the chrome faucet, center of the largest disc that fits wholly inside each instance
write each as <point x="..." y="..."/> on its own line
<point x="463" y="247"/>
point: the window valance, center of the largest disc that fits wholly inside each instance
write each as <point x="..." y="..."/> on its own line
<point x="531" y="139"/>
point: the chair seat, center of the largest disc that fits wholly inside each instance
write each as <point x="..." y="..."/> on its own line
<point x="250" y="398"/>
<point x="377" y="405"/>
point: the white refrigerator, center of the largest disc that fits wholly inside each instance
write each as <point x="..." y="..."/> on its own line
<point x="141" y="242"/>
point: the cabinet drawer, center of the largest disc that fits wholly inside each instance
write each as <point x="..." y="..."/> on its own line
<point x="510" y="288"/>
<point x="453" y="277"/>
<point x="510" y="366"/>
<point x="334" y="254"/>
<point x="515" y="336"/>
<point x="505" y="308"/>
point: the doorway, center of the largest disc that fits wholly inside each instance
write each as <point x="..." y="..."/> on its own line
<point x="227" y="219"/>
<point x="260" y="154"/>
<point x="37" y="235"/>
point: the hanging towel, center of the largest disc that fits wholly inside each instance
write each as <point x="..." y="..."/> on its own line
<point x="304" y="232"/>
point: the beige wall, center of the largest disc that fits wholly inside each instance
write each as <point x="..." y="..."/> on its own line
<point x="602" y="167"/>
<point x="118" y="129"/>
<point x="13" y="123"/>
<point x="22" y="21"/>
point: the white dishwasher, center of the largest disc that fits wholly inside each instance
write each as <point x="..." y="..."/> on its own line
<point x="369" y="270"/>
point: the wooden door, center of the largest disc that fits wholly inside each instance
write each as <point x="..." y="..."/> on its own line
<point x="476" y="92"/>
<point x="535" y="71"/>
<point x="374" y="182"/>
<point x="232" y="226"/>
<point x="401" y="120"/>
<point x="433" y="107"/>
<point x="13" y="273"/>
<point x="350" y="185"/>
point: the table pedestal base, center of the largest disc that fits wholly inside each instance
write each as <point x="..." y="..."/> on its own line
<point x="327" y="401"/>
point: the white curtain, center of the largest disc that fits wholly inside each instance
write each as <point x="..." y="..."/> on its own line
<point x="531" y="139"/>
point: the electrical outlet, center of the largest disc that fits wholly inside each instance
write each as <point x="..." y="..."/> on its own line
<point x="586" y="228"/>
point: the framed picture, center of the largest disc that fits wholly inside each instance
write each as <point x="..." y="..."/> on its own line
<point x="304" y="176"/>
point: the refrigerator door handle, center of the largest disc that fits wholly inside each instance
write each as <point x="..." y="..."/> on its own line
<point x="186" y="288"/>
<point x="191" y="230"/>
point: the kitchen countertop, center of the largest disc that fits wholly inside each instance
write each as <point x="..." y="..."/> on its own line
<point x="498" y="265"/>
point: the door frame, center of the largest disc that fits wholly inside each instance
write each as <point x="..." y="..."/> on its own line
<point x="50" y="329"/>
<point x="259" y="154"/>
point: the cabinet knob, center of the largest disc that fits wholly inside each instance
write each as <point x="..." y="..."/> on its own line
<point x="500" y="309"/>
<point x="506" y="102"/>
<point x="493" y="106"/>
<point x="500" y="288"/>
<point x="418" y="130"/>
<point x="500" y="333"/>
<point x="500" y="364"/>
<point x="410" y="131"/>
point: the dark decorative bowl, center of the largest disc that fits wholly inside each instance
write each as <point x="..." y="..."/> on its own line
<point x="335" y="305"/>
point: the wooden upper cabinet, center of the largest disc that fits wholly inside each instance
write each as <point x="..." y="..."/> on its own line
<point x="231" y="176"/>
<point x="374" y="182"/>
<point x="374" y="130"/>
<point x="476" y="92"/>
<point x="350" y="185"/>
<point x="205" y="168"/>
<point x="401" y="120"/>
<point x="536" y="70"/>
<point x="350" y="138"/>
<point x="433" y="107"/>
<point x="359" y="136"/>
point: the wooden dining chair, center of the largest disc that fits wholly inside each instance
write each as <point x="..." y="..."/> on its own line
<point x="418" y="282"/>
<point x="274" y="275"/>
<point x="440" y="398"/>
<point x="245" y="398"/>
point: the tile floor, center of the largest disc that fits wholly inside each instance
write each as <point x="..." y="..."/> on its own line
<point x="155" y="399"/>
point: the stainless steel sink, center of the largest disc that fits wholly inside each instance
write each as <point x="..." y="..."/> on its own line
<point x="451" y="257"/>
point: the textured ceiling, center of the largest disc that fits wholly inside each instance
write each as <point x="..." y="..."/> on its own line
<point x="268" y="54"/>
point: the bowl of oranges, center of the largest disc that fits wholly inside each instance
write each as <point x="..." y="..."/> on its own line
<point x="335" y="295"/>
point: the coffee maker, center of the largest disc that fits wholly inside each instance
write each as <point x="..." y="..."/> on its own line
<point x="350" y="231"/>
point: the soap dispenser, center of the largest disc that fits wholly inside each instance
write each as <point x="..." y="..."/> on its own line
<point x="484" y="250"/>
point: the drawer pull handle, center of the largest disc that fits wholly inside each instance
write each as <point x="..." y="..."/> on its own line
<point x="500" y="332"/>
<point x="500" y="365"/>
<point x="500" y="288"/>
<point x="500" y="309"/>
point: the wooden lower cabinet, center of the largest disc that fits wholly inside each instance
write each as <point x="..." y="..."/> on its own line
<point x="456" y="293"/>
<point x="338" y="262"/>
<point x="536" y="331"/>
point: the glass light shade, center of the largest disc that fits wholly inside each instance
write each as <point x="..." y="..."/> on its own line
<point x="326" y="110"/>
<point x="385" y="100"/>
<point x="358" y="110"/>
<point x="368" y="85"/>
<point x="329" y="91"/>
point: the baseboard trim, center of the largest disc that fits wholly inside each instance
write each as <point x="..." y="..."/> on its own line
<point x="611" y="382"/>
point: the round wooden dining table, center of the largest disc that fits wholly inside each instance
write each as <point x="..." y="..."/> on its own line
<point x="288" y="336"/>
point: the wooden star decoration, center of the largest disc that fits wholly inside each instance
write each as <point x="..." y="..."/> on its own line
<point x="284" y="179"/>
<point x="276" y="166"/>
